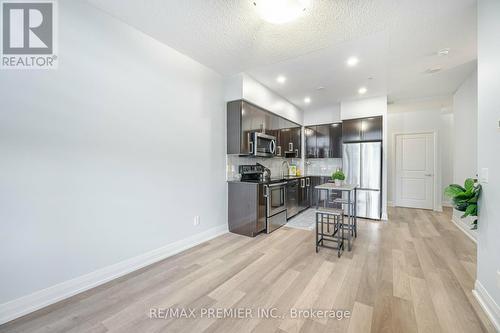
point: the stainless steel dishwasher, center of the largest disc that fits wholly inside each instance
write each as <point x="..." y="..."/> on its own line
<point x="276" y="205"/>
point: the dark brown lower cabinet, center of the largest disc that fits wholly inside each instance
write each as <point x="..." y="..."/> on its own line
<point x="246" y="208"/>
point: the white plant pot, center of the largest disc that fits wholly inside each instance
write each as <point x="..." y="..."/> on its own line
<point x="338" y="182"/>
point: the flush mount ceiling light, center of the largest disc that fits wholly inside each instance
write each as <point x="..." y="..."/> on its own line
<point x="362" y="90"/>
<point x="281" y="79"/>
<point x="307" y="100"/>
<point x="352" y="61"/>
<point x="281" y="11"/>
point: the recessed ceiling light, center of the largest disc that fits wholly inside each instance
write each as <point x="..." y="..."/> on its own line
<point x="307" y="100"/>
<point x="281" y="79"/>
<point x="443" y="52"/>
<point x="362" y="90"/>
<point x="280" y="11"/>
<point x="320" y="88"/>
<point x="352" y="61"/>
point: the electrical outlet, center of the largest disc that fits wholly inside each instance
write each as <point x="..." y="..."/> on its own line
<point x="196" y="220"/>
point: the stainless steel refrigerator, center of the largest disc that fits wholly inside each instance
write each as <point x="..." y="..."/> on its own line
<point x="362" y="165"/>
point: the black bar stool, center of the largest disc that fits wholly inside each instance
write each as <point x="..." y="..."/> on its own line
<point x="334" y="218"/>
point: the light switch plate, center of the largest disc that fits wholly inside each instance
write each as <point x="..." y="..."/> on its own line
<point x="484" y="176"/>
<point x="196" y="220"/>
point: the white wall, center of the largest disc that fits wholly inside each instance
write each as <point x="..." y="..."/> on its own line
<point x="326" y="115"/>
<point x="370" y="107"/>
<point x="243" y="86"/>
<point x="488" y="258"/>
<point x="465" y="114"/>
<point x="421" y="117"/>
<point x="106" y="158"/>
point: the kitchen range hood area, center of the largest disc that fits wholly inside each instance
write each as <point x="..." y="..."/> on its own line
<point x="270" y="175"/>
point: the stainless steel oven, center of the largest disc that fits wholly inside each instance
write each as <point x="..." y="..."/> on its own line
<point x="275" y="206"/>
<point x="263" y="145"/>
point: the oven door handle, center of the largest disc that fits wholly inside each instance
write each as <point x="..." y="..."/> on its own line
<point x="277" y="184"/>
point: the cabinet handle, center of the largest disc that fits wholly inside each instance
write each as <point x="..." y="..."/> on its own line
<point x="308" y="182"/>
<point x="251" y="147"/>
<point x="290" y="146"/>
<point x="278" y="151"/>
<point x="297" y="153"/>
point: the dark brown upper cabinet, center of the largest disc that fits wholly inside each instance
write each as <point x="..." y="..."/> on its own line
<point x="324" y="141"/>
<point x="371" y="129"/>
<point x="296" y="141"/>
<point x="290" y="140"/>
<point x="244" y="118"/>
<point x="310" y="134"/>
<point x="351" y="130"/>
<point x="336" y="140"/>
<point x="364" y="129"/>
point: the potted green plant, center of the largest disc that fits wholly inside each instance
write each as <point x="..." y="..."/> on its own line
<point x="338" y="177"/>
<point x="465" y="198"/>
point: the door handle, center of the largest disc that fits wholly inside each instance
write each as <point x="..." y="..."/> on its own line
<point x="428" y="175"/>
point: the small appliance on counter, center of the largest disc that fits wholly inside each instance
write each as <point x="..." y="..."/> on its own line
<point x="292" y="170"/>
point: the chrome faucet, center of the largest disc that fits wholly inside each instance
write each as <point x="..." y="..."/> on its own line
<point x="285" y="162"/>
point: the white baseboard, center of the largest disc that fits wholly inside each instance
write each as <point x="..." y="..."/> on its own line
<point x="472" y="234"/>
<point x="488" y="304"/>
<point x="40" y="299"/>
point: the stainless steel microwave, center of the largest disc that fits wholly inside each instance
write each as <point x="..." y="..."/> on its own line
<point x="263" y="145"/>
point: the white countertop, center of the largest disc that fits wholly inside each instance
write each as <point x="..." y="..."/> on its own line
<point x="333" y="187"/>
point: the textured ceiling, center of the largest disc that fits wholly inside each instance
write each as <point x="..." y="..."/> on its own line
<point x="395" y="40"/>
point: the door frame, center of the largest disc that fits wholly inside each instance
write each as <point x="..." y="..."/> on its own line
<point x="436" y="202"/>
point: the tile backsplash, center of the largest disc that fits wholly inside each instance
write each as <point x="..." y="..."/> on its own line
<point x="273" y="164"/>
<point x="322" y="166"/>
<point x="312" y="167"/>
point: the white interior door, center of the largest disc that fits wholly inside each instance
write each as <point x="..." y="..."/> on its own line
<point x="415" y="170"/>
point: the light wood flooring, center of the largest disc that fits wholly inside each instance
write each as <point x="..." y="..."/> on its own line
<point x="413" y="273"/>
